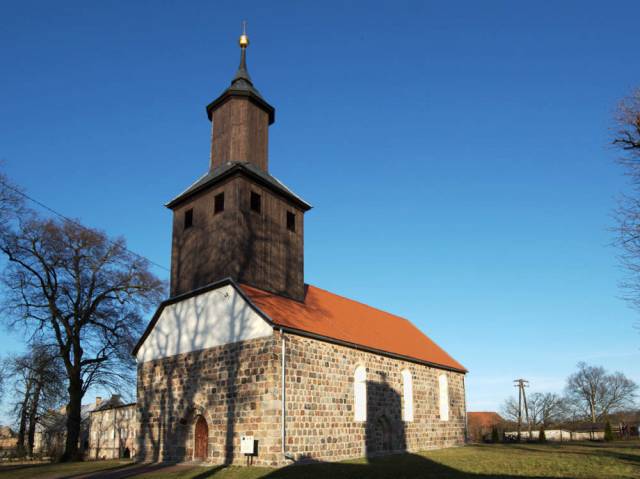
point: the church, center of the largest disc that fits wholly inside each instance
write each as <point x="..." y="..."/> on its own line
<point x="245" y="362"/>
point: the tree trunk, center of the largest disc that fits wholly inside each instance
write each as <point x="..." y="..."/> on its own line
<point x="74" y="419"/>
<point x="22" y="428"/>
<point x="33" y="417"/>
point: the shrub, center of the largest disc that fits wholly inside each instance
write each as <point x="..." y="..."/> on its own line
<point x="495" y="437"/>
<point x="608" y="433"/>
<point x="542" y="437"/>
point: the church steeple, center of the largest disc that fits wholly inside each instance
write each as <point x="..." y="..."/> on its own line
<point x="243" y="74"/>
<point x="240" y="119"/>
<point x="237" y="221"/>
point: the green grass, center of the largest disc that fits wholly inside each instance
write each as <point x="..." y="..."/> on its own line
<point x="584" y="460"/>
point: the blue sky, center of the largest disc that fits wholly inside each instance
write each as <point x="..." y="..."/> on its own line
<point x="457" y="153"/>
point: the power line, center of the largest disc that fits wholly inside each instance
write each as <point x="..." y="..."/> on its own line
<point x="66" y="218"/>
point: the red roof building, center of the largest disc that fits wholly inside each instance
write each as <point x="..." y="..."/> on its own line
<point x="481" y="423"/>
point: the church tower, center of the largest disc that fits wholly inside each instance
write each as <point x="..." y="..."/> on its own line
<point x="237" y="220"/>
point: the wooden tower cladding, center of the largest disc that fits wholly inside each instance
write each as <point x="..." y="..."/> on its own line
<point x="238" y="221"/>
<point x="239" y="132"/>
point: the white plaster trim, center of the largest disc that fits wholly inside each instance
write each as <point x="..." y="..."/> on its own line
<point x="213" y="318"/>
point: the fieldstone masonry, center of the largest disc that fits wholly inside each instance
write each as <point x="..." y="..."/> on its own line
<point x="237" y="389"/>
<point x="320" y="415"/>
<point x="234" y="387"/>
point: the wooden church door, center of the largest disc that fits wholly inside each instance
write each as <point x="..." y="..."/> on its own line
<point x="201" y="440"/>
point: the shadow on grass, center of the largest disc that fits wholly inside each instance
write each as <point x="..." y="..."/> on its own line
<point x="209" y="473"/>
<point x="125" y="472"/>
<point x="156" y="470"/>
<point x="397" y="466"/>
<point x="392" y="466"/>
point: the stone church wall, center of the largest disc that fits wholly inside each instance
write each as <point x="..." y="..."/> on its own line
<point x="237" y="388"/>
<point x="320" y="403"/>
<point x="232" y="386"/>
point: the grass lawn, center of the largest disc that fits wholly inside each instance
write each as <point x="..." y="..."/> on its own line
<point x="583" y="460"/>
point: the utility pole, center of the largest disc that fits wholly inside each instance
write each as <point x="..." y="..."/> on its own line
<point x="522" y="398"/>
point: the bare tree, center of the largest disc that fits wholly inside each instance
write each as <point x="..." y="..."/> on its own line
<point x="627" y="215"/>
<point x="627" y="135"/>
<point x="510" y="409"/>
<point x="594" y="393"/>
<point x="74" y="287"/>
<point x="38" y="386"/>
<point x="535" y="414"/>
<point x="11" y="201"/>
<point x="546" y="408"/>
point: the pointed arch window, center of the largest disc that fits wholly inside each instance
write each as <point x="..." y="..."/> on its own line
<point x="360" y="393"/>
<point x="443" y="386"/>
<point x="407" y="395"/>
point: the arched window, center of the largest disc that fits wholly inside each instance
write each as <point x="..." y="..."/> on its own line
<point x="407" y="394"/>
<point x="360" y="394"/>
<point x="444" y="397"/>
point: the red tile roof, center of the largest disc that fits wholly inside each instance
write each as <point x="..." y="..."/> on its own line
<point x="335" y="317"/>
<point x="483" y="419"/>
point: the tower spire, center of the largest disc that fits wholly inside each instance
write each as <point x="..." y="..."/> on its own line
<point x="241" y="84"/>
<point x="243" y="73"/>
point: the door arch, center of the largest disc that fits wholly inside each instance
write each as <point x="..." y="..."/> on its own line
<point x="201" y="440"/>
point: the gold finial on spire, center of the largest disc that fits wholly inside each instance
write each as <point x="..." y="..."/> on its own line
<point x="244" y="39"/>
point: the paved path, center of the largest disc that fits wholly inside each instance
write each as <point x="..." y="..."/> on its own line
<point x="131" y="471"/>
<point x="123" y="472"/>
